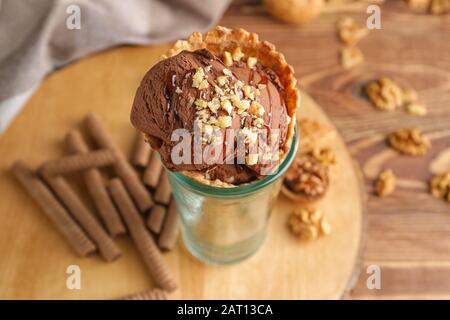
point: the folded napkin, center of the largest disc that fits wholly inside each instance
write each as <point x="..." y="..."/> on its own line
<point x="38" y="36"/>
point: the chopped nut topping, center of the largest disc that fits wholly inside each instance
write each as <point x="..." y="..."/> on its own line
<point x="251" y="62"/>
<point x="203" y="85"/>
<point x="249" y="135"/>
<point x="201" y="104"/>
<point x="178" y="90"/>
<point x="409" y="141"/>
<point x="350" y="32"/>
<point x="213" y="121"/>
<point x="198" y="80"/>
<point x="241" y="105"/>
<point x="256" y="109"/>
<point x="222" y="80"/>
<point x="258" y="122"/>
<point x="440" y="185"/>
<point x="214" y="105"/>
<point x="288" y="119"/>
<point x="351" y="56"/>
<point x="308" y="224"/>
<point x="224" y="121"/>
<point x="249" y="92"/>
<point x="251" y="159"/>
<point x="416" y="109"/>
<point x="226" y="105"/>
<point x="237" y="54"/>
<point x="208" y="129"/>
<point x="227" y="59"/>
<point x="385" y="183"/>
<point x="307" y="177"/>
<point x="238" y="84"/>
<point x="219" y="91"/>
<point x="262" y="86"/>
<point x="227" y="72"/>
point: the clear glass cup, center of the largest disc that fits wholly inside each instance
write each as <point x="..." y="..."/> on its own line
<point x="227" y="225"/>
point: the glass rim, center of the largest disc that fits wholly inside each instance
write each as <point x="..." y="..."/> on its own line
<point x="245" y="189"/>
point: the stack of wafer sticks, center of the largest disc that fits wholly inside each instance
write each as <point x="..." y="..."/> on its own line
<point x="136" y="200"/>
<point x="162" y="219"/>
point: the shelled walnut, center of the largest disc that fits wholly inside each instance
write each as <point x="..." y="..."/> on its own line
<point x="385" y="94"/>
<point x="350" y="32"/>
<point x="440" y="185"/>
<point x="409" y="141"/>
<point x="385" y="183"/>
<point x="306" y="180"/>
<point x="308" y="224"/>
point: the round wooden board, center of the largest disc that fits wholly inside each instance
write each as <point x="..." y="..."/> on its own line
<point x="34" y="257"/>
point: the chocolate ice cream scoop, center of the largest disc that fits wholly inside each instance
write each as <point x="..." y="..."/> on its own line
<point x="195" y="90"/>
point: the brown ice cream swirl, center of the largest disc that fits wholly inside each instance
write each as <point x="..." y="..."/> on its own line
<point x="173" y="95"/>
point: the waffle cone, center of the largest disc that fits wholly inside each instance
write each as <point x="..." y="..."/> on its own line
<point x="221" y="39"/>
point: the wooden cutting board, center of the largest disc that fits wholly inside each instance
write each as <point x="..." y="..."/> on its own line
<point x="34" y="257"/>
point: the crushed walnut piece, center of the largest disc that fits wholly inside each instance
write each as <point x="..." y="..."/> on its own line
<point x="440" y="185"/>
<point x="385" y="184"/>
<point x="409" y="141"/>
<point x="308" y="224"/>
<point x="350" y="32"/>
<point x="307" y="178"/>
<point x="351" y="56"/>
<point x="416" y="109"/>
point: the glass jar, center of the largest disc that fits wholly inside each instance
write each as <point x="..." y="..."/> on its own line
<point x="227" y="225"/>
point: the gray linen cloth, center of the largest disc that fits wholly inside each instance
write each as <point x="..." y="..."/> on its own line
<point x="37" y="36"/>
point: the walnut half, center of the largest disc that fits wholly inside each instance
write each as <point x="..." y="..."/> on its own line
<point x="409" y="141"/>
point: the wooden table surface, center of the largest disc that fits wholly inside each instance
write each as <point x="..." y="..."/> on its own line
<point x="409" y="232"/>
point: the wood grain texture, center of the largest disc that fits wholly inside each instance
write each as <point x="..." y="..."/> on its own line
<point x="34" y="257"/>
<point x="410" y="229"/>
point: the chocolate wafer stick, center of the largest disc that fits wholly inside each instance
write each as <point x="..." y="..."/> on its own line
<point x="152" y="171"/>
<point x="94" y="230"/>
<point x="141" y="238"/>
<point x="78" y="162"/>
<point x="97" y="189"/>
<point x="163" y="190"/>
<point x="122" y="167"/>
<point x="62" y="220"/>
<point x="156" y="218"/>
<point x="171" y="228"/>
<point x="141" y="152"/>
<point x="152" y="294"/>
